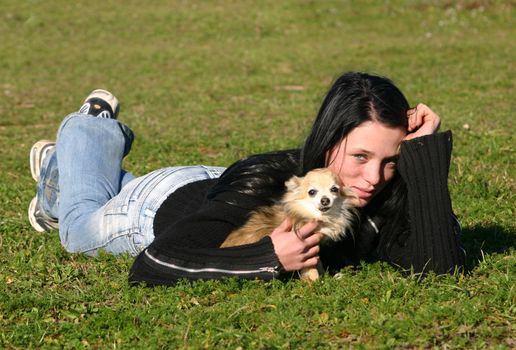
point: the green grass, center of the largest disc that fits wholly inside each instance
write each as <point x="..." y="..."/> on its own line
<point x="210" y="82"/>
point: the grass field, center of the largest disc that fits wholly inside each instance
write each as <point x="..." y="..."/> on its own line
<point x="212" y="81"/>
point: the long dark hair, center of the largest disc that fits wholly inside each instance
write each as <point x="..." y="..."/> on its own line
<point x="354" y="98"/>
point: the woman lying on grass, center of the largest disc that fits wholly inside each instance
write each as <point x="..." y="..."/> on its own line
<point x="175" y="219"/>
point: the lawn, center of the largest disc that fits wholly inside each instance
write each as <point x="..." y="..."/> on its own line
<point x="208" y="82"/>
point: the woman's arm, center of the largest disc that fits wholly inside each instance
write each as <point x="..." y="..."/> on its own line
<point x="190" y="248"/>
<point x="155" y="266"/>
<point x="432" y="243"/>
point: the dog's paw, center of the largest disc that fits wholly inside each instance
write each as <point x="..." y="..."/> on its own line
<point x="309" y="275"/>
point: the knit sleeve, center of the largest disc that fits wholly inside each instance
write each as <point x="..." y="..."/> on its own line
<point x="189" y="248"/>
<point x="432" y="243"/>
<point x="166" y="267"/>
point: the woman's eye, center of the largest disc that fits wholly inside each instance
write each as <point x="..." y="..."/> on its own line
<point x="312" y="192"/>
<point x="334" y="189"/>
<point x="360" y="157"/>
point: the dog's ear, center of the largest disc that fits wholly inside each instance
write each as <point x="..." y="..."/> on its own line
<point x="293" y="183"/>
<point x="345" y="192"/>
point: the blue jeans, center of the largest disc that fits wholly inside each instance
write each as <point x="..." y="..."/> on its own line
<point x="99" y="205"/>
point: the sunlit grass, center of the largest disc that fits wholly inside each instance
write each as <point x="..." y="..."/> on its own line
<point x="210" y="82"/>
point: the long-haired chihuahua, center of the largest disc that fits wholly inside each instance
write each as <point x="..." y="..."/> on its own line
<point x="317" y="196"/>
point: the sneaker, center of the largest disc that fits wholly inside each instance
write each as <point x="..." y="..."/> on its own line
<point x="37" y="217"/>
<point x="38" y="153"/>
<point x="101" y="103"/>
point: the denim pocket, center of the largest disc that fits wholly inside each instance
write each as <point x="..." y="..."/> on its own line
<point x="134" y="190"/>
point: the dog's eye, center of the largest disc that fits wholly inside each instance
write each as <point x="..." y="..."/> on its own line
<point x="312" y="192"/>
<point x="334" y="189"/>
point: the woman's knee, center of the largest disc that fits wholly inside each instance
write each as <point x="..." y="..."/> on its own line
<point x="77" y="125"/>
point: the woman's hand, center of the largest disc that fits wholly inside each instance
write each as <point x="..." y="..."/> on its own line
<point x="296" y="250"/>
<point x="421" y="121"/>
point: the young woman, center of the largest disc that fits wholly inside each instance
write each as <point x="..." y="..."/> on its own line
<point x="175" y="219"/>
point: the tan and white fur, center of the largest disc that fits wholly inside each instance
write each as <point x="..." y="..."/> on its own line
<point x="317" y="196"/>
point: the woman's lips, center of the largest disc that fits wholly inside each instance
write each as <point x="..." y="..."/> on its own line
<point x="362" y="193"/>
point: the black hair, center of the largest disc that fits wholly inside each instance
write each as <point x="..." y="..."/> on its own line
<point x="353" y="99"/>
<point x="261" y="176"/>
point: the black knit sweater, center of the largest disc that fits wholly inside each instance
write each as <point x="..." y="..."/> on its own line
<point x="193" y="222"/>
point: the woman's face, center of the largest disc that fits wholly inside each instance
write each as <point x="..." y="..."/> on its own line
<point x="365" y="160"/>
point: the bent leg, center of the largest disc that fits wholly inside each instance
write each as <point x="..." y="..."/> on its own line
<point x="101" y="206"/>
<point x="89" y="157"/>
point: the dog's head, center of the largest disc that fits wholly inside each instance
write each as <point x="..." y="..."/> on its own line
<point x="316" y="194"/>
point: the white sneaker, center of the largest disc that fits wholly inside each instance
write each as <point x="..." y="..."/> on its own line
<point x="38" y="152"/>
<point x="101" y="103"/>
<point x="37" y="218"/>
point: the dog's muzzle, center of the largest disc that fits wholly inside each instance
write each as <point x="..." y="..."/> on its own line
<point x="325" y="204"/>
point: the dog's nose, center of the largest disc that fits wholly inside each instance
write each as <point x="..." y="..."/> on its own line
<point x="325" y="201"/>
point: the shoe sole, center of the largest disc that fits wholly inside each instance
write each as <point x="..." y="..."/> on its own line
<point x="32" y="218"/>
<point x="37" y="153"/>
<point x="41" y="225"/>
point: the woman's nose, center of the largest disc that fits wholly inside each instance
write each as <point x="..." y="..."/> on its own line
<point x="372" y="174"/>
